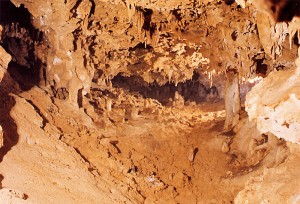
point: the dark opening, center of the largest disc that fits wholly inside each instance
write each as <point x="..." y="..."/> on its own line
<point x="261" y="68"/>
<point x="18" y="39"/>
<point x="234" y="35"/>
<point x="290" y="9"/>
<point x="296" y="40"/>
<point x="177" y="14"/>
<point x="140" y="47"/>
<point x="191" y="90"/>
<point x="229" y="2"/>
<point x="147" y="18"/>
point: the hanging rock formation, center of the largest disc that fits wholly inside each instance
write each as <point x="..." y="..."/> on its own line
<point x="159" y="41"/>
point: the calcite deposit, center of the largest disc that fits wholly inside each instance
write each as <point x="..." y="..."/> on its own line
<point x="160" y="41"/>
<point x="139" y="101"/>
<point x="277" y="113"/>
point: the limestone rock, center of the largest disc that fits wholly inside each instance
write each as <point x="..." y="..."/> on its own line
<point x="12" y="196"/>
<point x="225" y="147"/>
<point x="272" y="184"/>
<point x="5" y="58"/>
<point x="277" y="113"/>
<point x="159" y="41"/>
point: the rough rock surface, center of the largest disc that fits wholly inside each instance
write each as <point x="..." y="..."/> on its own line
<point x="103" y="101"/>
<point x="5" y="58"/>
<point x="11" y="196"/>
<point x="159" y="41"/>
<point x="277" y="113"/>
<point x="274" y="185"/>
<point x="59" y="174"/>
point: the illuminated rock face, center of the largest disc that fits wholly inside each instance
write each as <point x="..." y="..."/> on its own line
<point x="274" y="103"/>
<point x="159" y="41"/>
<point x="58" y="50"/>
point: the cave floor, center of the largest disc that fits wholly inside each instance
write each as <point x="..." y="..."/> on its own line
<point x="119" y="148"/>
<point x="131" y="154"/>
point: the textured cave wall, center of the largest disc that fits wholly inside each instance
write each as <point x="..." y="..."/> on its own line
<point x="274" y="102"/>
<point x="157" y="42"/>
<point x="61" y="55"/>
<point x="5" y="58"/>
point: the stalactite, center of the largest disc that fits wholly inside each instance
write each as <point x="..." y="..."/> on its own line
<point x="140" y="20"/>
<point x="293" y="28"/>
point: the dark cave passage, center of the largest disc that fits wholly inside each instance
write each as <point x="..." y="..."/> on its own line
<point x="19" y="38"/>
<point x="186" y="92"/>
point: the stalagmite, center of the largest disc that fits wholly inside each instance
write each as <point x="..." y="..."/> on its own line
<point x="134" y="114"/>
<point x="225" y="147"/>
<point x="232" y="99"/>
<point x="108" y="104"/>
<point x="146" y="103"/>
<point x="192" y="154"/>
<point x="109" y="84"/>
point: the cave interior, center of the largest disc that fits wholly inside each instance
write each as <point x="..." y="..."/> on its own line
<point x="139" y="101"/>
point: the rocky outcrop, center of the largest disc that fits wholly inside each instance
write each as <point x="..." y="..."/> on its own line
<point x="60" y="52"/>
<point x="274" y="102"/>
<point x="274" y="105"/>
<point x="277" y="113"/>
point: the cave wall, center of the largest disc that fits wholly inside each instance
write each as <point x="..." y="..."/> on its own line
<point x="168" y="41"/>
<point x="4" y="59"/>
<point x="277" y="113"/>
<point x="274" y="103"/>
<point x="93" y="41"/>
<point x="160" y="41"/>
<point x="61" y="51"/>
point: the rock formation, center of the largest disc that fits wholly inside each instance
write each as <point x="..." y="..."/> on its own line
<point x="277" y="113"/>
<point x="139" y="101"/>
<point x="5" y="59"/>
<point x="232" y="99"/>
